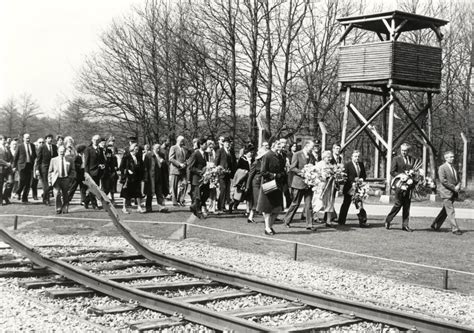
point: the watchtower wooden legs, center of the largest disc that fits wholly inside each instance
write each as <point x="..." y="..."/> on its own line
<point x="385" y="142"/>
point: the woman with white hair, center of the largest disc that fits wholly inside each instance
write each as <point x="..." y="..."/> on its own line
<point x="325" y="195"/>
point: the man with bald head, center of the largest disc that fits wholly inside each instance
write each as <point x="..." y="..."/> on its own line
<point x="24" y="162"/>
<point x="177" y="158"/>
<point x="94" y="165"/>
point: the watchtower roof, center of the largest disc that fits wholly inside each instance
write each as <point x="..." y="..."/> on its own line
<point x="377" y="22"/>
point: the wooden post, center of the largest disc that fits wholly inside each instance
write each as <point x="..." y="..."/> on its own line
<point x="430" y="133"/>
<point x="425" y="156"/>
<point x="464" y="161"/>
<point x="260" y="131"/>
<point x="445" y="280"/>
<point x="376" y="161"/>
<point x="391" y="112"/>
<point x="324" y="133"/>
<point x="15" y="222"/>
<point x="345" y="116"/>
<point x="185" y="230"/>
<point x="295" y="252"/>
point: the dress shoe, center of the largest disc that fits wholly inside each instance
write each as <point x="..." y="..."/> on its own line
<point x="163" y="210"/>
<point x="25" y="202"/>
<point x="35" y="198"/>
<point x="65" y="209"/>
<point x="341" y="222"/>
<point x="125" y="211"/>
<point x="387" y="225"/>
<point x="250" y="221"/>
<point x="407" y="228"/>
<point x="270" y="233"/>
<point x="364" y="225"/>
<point x="7" y="202"/>
<point x="148" y="210"/>
<point x="457" y="232"/>
<point x="311" y="228"/>
<point x="434" y="228"/>
<point x="287" y="224"/>
<point x="58" y="211"/>
<point x="278" y="220"/>
<point x="18" y="197"/>
<point x="273" y="231"/>
<point x="176" y="204"/>
<point x="329" y="225"/>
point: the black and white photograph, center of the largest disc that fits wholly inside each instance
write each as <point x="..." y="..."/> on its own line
<point x="237" y="166"/>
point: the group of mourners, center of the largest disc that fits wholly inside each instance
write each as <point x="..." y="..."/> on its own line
<point x="267" y="179"/>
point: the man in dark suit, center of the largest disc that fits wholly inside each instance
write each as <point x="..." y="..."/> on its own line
<point x="336" y="154"/>
<point x="355" y="170"/>
<point x="45" y="153"/>
<point x="177" y="158"/>
<point x="448" y="191"/>
<point x="6" y="162"/>
<point x="94" y="164"/>
<point x="400" y="164"/>
<point x="24" y="162"/>
<point x="300" y="188"/>
<point x="199" y="192"/>
<point x="226" y="160"/>
<point x="156" y="178"/>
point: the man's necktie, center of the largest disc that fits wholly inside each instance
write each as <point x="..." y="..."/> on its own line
<point x="28" y="153"/>
<point x="357" y="169"/>
<point x="454" y="174"/>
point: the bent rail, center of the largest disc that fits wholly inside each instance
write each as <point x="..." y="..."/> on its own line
<point x="331" y="303"/>
<point x="151" y="301"/>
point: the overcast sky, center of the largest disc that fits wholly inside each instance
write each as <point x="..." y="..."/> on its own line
<point x="44" y="42"/>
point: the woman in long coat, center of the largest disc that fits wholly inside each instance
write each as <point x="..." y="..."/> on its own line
<point x="254" y="181"/>
<point x="271" y="204"/>
<point x="132" y="171"/>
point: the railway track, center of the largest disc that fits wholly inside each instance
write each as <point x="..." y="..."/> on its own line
<point x="203" y="287"/>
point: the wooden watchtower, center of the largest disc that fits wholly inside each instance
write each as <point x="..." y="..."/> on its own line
<point x="384" y="68"/>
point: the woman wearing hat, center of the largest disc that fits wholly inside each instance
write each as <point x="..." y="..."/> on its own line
<point x="254" y="181"/>
<point x="271" y="203"/>
<point x="132" y="171"/>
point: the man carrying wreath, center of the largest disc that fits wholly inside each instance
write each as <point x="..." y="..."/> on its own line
<point x="400" y="164"/>
<point x="299" y="187"/>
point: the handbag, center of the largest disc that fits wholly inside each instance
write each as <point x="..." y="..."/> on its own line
<point x="269" y="187"/>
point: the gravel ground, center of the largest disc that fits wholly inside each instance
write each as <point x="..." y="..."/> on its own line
<point x="352" y="285"/>
<point x="297" y="317"/>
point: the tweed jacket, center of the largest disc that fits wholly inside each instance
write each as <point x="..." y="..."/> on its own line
<point x="448" y="182"/>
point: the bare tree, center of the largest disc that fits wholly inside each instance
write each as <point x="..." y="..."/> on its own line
<point x="10" y="117"/>
<point x="28" y="110"/>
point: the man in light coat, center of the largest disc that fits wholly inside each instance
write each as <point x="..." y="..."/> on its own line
<point x="177" y="158"/>
<point x="61" y="172"/>
<point x="448" y="191"/>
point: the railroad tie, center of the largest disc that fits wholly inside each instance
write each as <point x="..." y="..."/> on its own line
<point x="317" y="325"/>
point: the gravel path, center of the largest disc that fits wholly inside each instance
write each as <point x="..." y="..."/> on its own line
<point x="371" y="289"/>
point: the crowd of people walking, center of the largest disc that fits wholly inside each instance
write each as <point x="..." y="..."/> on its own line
<point x="267" y="179"/>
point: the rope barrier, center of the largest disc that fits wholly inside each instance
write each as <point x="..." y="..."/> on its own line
<point x="260" y="237"/>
